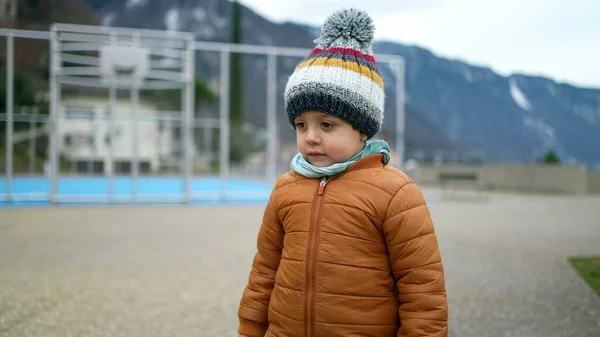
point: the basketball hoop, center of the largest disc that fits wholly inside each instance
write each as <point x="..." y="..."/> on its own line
<point x="122" y="59"/>
<point x="124" y="64"/>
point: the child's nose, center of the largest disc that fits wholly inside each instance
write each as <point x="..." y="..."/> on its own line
<point x="312" y="136"/>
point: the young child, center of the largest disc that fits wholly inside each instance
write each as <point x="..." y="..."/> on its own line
<point x="347" y="246"/>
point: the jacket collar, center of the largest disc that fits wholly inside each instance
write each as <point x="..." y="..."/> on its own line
<point x="372" y="161"/>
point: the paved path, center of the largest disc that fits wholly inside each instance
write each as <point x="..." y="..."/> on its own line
<point x="179" y="271"/>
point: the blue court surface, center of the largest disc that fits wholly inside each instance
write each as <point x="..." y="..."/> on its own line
<point x="35" y="191"/>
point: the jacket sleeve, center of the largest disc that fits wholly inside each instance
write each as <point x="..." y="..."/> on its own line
<point x="254" y="304"/>
<point x="416" y="265"/>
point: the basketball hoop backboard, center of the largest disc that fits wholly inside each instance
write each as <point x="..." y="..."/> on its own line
<point x="124" y="63"/>
<point x="93" y="56"/>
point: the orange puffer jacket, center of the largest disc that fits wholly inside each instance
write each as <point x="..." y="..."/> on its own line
<point x="356" y="255"/>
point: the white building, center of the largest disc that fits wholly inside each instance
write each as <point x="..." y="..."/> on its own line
<point x="88" y="134"/>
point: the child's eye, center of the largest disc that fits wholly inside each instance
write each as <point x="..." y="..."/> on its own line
<point x="300" y="125"/>
<point x="326" y="125"/>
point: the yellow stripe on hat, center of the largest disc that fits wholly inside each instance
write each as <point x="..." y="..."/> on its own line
<point x="349" y="65"/>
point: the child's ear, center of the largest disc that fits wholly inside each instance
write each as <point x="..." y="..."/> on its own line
<point x="363" y="137"/>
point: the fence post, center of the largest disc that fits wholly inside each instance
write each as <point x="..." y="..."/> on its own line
<point x="9" y="111"/>
<point x="135" y="102"/>
<point x="54" y="118"/>
<point x="32" y="140"/>
<point x="188" y="120"/>
<point x="112" y="101"/>
<point x="224" y="122"/>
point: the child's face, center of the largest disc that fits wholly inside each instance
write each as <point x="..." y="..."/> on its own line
<point x="324" y="140"/>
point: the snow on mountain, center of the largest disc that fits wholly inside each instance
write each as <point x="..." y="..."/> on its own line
<point x="518" y="95"/>
<point x="131" y="4"/>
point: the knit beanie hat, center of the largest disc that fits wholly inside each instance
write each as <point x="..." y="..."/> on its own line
<point x="340" y="76"/>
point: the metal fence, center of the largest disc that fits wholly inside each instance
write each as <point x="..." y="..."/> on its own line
<point x="88" y="128"/>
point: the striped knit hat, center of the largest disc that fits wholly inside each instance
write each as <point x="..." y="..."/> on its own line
<point x="340" y="76"/>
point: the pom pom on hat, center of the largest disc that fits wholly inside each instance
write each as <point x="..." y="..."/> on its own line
<point x="347" y="25"/>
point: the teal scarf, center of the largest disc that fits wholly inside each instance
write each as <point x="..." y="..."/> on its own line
<point x="303" y="167"/>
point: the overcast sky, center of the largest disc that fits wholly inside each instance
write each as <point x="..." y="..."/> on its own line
<point x="559" y="39"/>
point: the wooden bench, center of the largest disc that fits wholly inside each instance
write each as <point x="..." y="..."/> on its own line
<point x="461" y="181"/>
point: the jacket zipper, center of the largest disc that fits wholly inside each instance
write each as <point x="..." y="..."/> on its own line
<point x="312" y="261"/>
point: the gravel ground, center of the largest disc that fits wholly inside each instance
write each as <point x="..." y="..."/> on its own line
<point x="179" y="270"/>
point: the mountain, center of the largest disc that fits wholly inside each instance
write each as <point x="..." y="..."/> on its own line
<point x="452" y="106"/>
<point x="515" y="118"/>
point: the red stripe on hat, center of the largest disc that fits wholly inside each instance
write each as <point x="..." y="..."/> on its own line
<point x="348" y="51"/>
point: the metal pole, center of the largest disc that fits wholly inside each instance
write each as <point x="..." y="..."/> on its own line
<point x="224" y="121"/>
<point x="112" y="97"/>
<point x="185" y="143"/>
<point x="55" y="135"/>
<point x="54" y="97"/>
<point x="32" y="137"/>
<point x="272" y="117"/>
<point x="208" y="146"/>
<point x="135" y="97"/>
<point x="91" y="143"/>
<point x="134" y="120"/>
<point x="9" y="111"/>
<point x="400" y="113"/>
<point x="188" y="119"/>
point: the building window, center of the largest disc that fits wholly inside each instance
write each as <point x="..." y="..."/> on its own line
<point x="92" y="166"/>
<point x="79" y="112"/>
<point x="8" y="8"/>
<point x="68" y="140"/>
<point x="78" y="140"/>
